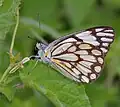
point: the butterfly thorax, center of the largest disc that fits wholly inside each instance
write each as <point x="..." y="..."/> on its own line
<point x="42" y="54"/>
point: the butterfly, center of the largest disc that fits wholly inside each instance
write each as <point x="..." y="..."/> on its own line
<point x="78" y="56"/>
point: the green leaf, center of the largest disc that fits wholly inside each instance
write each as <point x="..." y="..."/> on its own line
<point x="8" y="91"/>
<point x="15" y="6"/>
<point x="47" y="10"/>
<point x="77" y="10"/>
<point x="1" y="2"/>
<point x="7" y="20"/>
<point x="96" y="98"/>
<point x="25" y="97"/>
<point x="57" y="88"/>
<point x="112" y="3"/>
<point x="113" y="63"/>
<point x="7" y="17"/>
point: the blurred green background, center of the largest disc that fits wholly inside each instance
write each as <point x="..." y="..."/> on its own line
<point x="47" y="20"/>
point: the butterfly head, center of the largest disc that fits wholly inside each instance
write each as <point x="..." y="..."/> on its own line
<point x="40" y="47"/>
<point x="41" y="54"/>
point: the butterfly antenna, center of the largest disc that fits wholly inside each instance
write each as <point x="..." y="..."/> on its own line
<point x="34" y="57"/>
<point x="39" y="26"/>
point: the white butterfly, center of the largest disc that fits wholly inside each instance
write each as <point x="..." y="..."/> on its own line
<point x="78" y="56"/>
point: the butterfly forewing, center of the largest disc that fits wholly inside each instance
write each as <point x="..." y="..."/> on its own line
<point x="80" y="56"/>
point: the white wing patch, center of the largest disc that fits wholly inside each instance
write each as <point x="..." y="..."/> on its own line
<point x="105" y="44"/>
<point x="62" y="48"/>
<point x="104" y="34"/>
<point x="110" y="30"/>
<point x="106" y="39"/>
<point x="98" y="29"/>
<point x="88" y="58"/>
<point x="97" y="68"/>
<point x="100" y="60"/>
<point x="86" y="64"/>
<point x="96" y="52"/>
<point x="69" y="40"/>
<point x="81" y="52"/>
<point x="85" y="79"/>
<point x="80" y="56"/>
<point x="83" y="69"/>
<point x="92" y="76"/>
<point x="72" y="49"/>
<point x="67" y="57"/>
<point x="88" y="38"/>
<point x="104" y="50"/>
<point x="85" y="46"/>
<point x="76" y="71"/>
<point x="68" y="74"/>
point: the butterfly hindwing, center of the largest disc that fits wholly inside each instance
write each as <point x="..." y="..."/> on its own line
<point x="80" y="56"/>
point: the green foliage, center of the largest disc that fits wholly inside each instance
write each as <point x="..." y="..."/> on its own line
<point x="77" y="10"/>
<point x="59" y="90"/>
<point x="43" y="86"/>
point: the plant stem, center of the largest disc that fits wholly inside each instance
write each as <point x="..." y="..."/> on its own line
<point x="5" y="74"/>
<point x="12" y="68"/>
<point x="11" y="49"/>
<point x="15" y="31"/>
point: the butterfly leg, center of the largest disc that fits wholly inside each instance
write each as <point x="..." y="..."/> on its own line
<point x="34" y="57"/>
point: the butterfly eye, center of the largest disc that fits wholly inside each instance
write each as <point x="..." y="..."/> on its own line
<point x="36" y="49"/>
